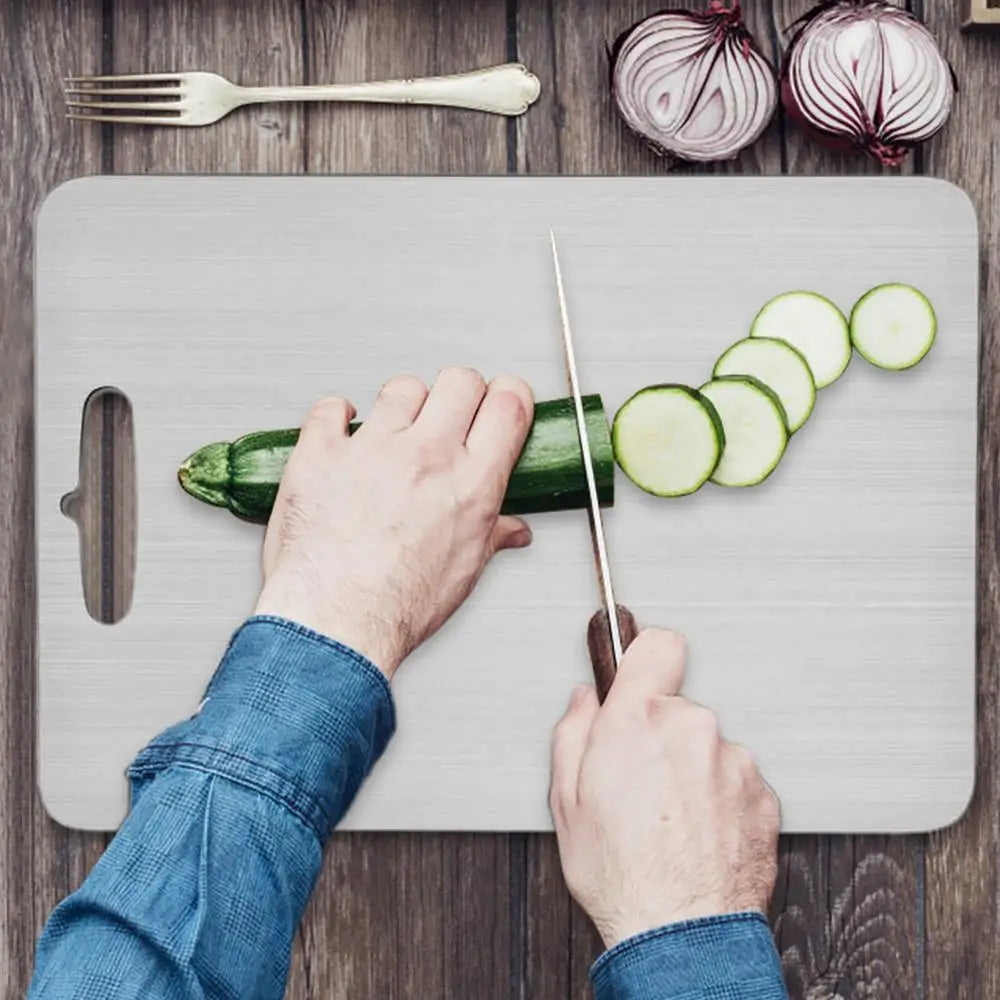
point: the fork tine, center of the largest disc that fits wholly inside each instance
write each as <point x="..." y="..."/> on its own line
<point x="128" y="119"/>
<point x="129" y="105"/>
<point x="131" y="77"/>
<point x="123" y="91"/>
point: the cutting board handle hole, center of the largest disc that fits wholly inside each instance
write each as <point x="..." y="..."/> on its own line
<point x="103" y="504"/>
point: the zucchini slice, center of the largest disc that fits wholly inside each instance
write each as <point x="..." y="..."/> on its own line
<point x="755" y="426"/>
<point x="814" y="326"/>
<point x="780" y="367"/>
<point x="667" y="439"/>
<point x="893" y="326"/>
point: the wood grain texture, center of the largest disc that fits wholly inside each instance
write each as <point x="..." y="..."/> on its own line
<point x="836" y="910"/>
<point x="39" y="861"/>
<point x="830" y="887"/>
<point x="846" y="916"/>
<point x="574" y="128"/>
<point x="963" y="873"/>
<point x="828" y="882"/>
<point x="388" y="38"/>
<point x="848" y="911"/>
<point x="436" y="911"/>
<point x="257" y="43"/>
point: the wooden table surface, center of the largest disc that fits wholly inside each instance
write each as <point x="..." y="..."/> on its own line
<point x="463" y="915"/>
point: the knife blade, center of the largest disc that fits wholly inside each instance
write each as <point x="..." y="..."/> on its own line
<point x="611" y="629"/>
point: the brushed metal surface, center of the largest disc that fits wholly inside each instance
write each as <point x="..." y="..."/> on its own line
<point x="830" y="612"/>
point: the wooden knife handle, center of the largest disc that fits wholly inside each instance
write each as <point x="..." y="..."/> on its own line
<point x="599" y="643"/>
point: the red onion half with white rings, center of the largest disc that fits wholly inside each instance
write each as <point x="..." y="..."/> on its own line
<point x="694" y="85"/>
<point x="867" y="75"/>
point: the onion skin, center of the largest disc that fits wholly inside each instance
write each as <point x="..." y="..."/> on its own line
<point x="724" y="67"/>
<point x="873" y="132"/>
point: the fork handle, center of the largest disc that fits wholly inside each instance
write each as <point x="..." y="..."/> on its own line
<point x="509" y="89"/>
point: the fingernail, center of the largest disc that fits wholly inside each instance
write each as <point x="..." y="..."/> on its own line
<point x="520" y="538"/>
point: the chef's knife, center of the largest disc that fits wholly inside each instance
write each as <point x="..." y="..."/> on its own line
<point x="608" y="635"/>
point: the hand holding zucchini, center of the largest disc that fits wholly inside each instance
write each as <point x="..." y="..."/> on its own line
<point x="243" y="475"/>
<point x="669" y="439"/>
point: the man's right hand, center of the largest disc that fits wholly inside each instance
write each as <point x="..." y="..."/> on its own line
<point x="658" y="818"/>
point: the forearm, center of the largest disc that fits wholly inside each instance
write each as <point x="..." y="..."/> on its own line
<point x="731" y="957"/>
<point x="201" y="890"/>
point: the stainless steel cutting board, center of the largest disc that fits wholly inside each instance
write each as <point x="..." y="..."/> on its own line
<point x="830" y="612"/>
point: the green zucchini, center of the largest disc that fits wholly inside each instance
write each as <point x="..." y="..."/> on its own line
<point x="243" y="475"/>
<point x="814" y="326"/>
<point x="755" y="425"/>
<point x="668" y="439"/>
<point x="893" y="326"/>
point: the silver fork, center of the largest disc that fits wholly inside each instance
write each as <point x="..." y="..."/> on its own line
<point x="204" y="98"/>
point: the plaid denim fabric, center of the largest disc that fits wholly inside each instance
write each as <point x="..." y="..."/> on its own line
<point x="729" y="957"/>
<point x="200" y="892"/>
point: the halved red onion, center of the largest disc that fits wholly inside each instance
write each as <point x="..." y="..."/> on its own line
<point x="866" y="74"/>
<point x="694" y="85"/>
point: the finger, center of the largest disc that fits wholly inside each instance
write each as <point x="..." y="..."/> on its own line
<point x="326" y="424"/>
<point x="653" y="666"/>
<point x="397" y="405"/>
<point x="569" y="740"/>
<point x="501" y="426"/>
<point x="509" y="533"/>
<point x="451" y="405"/>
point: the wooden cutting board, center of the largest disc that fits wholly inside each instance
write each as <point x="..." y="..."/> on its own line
<point x="830" y="612"/>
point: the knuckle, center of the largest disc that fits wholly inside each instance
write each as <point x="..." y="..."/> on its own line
<point x="428" y="456"/>
<point x="561" y="733"/>
<point x="402" y="385"/>
<point x="704" y="723"/>
<point x="770" y="810"/>
<point x="510" y="406"/>
<point x="464" y="375"/>
<point x="327" y="409"/>
<point x="670" y="647"/>
<point x="556" y="805"/>
<point x="481" y="491"/>
<point x="674" y="644"/>
<point x="742" y="760"/>
<point x="660" y="708"/>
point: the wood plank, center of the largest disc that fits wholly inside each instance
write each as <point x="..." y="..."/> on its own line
<point x="847" y="911"/>
<point x="381" y="39"/>
<point x="547" y="928"/>
<point x="400" y="915"/>
<point x="846" y="917"/>
<point x="963" y="869"/>
<point x="254" y="44"/>
<point x="39" y="861"/>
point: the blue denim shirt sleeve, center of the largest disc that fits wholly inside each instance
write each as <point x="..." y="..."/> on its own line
<point x="727" y="957"/>
<point x="199" y="893"/>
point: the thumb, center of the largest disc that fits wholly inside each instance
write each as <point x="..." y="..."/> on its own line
<point x="509" y="533"/>
<point x="652" y="666"/>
